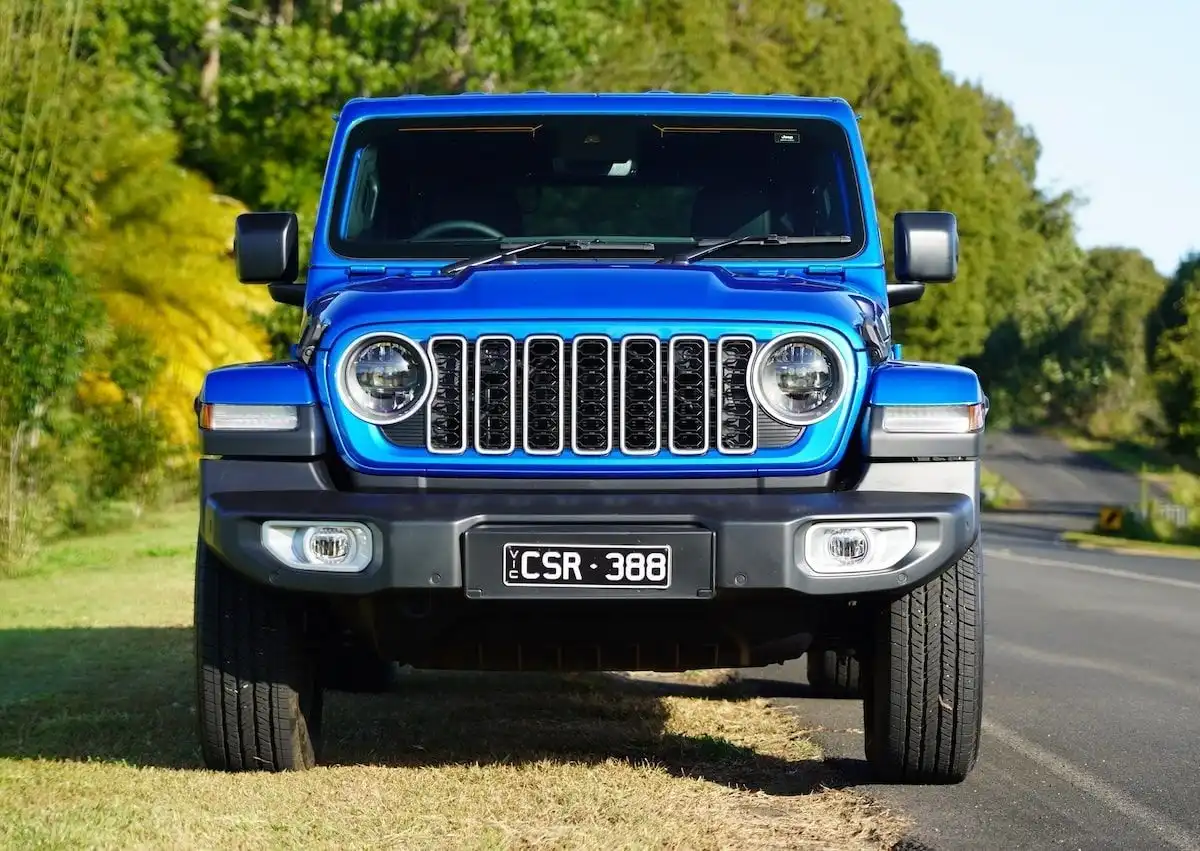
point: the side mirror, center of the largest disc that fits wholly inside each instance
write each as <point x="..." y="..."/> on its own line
<point x="925" y="248"/>
<point x="266" y="247"/>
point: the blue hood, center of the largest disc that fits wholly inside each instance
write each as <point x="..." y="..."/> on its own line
<point x="574" y="291"/>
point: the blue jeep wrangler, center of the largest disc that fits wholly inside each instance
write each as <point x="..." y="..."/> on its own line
<point x="593" y="383"/>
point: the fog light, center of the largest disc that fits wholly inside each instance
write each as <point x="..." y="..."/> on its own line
<point x="833" y="548"/>
<point x="332" y="547"/>
<point x="846" y="546"/>
<point x="329" y="545"/>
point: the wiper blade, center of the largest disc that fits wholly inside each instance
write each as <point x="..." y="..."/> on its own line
<point x="561" y="244"/>
<point x="769" y="239"/>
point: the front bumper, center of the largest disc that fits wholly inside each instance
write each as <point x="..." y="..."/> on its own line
<point x="437" y="540"/>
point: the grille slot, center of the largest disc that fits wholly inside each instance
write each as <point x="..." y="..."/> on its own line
<point x="446" y="414"/>
<point x="592" y="395"/>
<point x="544" y="381"/>
<point x="592" y="374"/>
<point x="737" y="415"/>
<point x="688" y="392"/>
<point x="495" y="395"/>
<point x="641" y="395"/>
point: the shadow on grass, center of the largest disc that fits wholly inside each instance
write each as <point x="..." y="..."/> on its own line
<point x="126" y="695"/>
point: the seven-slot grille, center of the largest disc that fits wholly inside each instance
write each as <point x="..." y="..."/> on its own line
<point x="591" y="395"/>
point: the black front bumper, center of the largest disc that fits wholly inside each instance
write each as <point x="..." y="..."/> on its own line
<point x="439" y="540"/>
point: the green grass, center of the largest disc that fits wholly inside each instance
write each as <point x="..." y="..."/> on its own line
<point x="98" y="745"/>
<point x="1133" y="457"/>
<point x="996" y="492"/>
<point x="1131" y="545"/>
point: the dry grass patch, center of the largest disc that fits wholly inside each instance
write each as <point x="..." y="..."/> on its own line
<point x="97" y="746"/>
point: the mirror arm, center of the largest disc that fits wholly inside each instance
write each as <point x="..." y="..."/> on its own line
<point x="907" y="293"/>
<point x="287" y="292"/>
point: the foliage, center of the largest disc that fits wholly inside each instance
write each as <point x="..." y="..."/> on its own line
<point x="252" y="86"/>
<point x="48" y="134"/>
<point x="160" y="248"/>
<point x="996" y="492"/>
<point x="1175" y="334"/>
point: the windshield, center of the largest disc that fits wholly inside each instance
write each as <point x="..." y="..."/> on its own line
<point x="455" y="189"/>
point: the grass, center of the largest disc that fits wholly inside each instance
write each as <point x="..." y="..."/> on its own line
<point x="97" y="744"/>
<point x="1089" y="540"/>
<point x="1133" y="457"/>
<point x="996" y="492"/>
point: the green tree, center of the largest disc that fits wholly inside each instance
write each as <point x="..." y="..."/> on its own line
<point x="1175" y="333"/>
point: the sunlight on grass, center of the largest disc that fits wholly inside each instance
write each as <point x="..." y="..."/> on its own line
<point x="97" y="747"/>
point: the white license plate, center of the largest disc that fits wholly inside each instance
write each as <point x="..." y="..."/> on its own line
<point x="587" y="566"/>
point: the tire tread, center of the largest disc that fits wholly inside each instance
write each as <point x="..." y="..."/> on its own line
<point x="252" y="668"/>
<point x="924" y="705"/>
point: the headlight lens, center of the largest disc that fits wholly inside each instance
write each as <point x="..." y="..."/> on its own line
<point x="385" y="379"/>
<point x="798" y="380"/>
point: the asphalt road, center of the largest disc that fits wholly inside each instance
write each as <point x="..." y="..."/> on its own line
<point x="1052" y="478"/>
<point x="1092" y="692"/>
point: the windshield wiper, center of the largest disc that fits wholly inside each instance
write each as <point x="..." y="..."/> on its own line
<point x="769" y="239"/>
<point x="560" y="244"/>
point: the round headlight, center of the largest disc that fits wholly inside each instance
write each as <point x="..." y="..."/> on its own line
<point x="798" y="380"/>
<point x="385" y="378"/>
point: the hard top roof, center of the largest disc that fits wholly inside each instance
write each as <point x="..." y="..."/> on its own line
<point x="656" y="101"/>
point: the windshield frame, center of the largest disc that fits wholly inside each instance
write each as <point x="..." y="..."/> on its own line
<point x="453" y="250"/>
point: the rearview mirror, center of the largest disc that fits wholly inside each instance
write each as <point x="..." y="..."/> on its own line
<point x="925" y="248"/>
<point x="266" y="247"/>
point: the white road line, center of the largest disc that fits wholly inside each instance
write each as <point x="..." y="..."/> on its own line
<point x="1009" y="555"/>
<point x="1151" y="820"/>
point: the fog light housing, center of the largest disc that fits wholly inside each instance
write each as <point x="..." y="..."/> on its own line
<point x="858" y="547"/>
<point x="331" y="547"/>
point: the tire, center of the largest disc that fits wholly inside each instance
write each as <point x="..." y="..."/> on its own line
<point x="923" y="695"/>
<point x="834" y="673"/>
<point x="258" y="697"/>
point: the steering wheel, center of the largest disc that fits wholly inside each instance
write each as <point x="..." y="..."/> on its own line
<point x="457" y="224"/>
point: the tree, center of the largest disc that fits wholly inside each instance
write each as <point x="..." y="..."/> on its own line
<point x="1175" y="331"/>
<point x="160" y="249"/>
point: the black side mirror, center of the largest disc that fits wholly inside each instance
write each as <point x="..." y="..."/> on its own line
<point x="266" y="247"/>
<point x="925" y="248"/>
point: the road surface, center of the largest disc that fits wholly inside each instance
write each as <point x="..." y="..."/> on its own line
<point x="1092" y="692"/>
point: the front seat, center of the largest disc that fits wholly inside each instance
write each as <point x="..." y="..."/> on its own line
<point x="725" y="211"/>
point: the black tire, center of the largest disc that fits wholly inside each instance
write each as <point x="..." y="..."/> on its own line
<point x="834" y="673"/>
<point x="923" y="695"/>
<point x="258" y="698"/>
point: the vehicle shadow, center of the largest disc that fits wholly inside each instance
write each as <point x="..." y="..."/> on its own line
<point x="126" y="695"/>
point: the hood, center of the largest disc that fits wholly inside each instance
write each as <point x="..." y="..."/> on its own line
<point x="549" y="292"/>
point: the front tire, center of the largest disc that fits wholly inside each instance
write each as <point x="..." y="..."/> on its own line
<point x="923" y="692"/>
<point x="258" y="696"/>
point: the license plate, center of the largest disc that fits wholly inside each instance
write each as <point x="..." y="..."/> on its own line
<point x="587" y="566"/>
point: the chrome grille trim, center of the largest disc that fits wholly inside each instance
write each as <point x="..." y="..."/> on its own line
<point x="480" y="346"/>
<point x="463" y="378"/>
<point x="576" y="344"/>
<point x="673" y="393"/>
<point x="722" y="405"/>
<point x="560" y="378"/>
<point x="507" y="388"/>
<point x="623" y="400"/>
